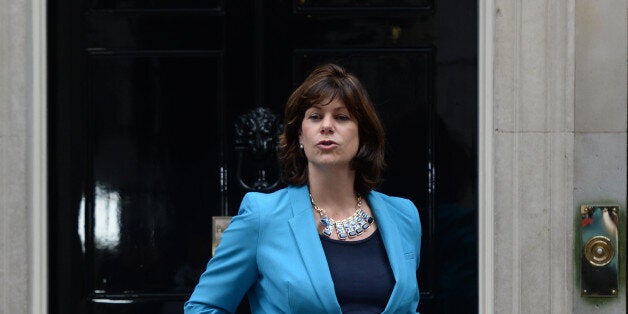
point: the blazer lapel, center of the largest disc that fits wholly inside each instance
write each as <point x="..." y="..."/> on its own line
<point x="392" y="241"/>
<point x="310" y="247"/>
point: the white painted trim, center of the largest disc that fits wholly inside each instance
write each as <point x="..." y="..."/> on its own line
<point x="38" y="160"/>
<point x="486" y="26"/>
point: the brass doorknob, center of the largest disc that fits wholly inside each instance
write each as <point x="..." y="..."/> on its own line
<point x="599" y="251"/>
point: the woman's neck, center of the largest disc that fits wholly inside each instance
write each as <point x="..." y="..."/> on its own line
<point x="333" y="191"/>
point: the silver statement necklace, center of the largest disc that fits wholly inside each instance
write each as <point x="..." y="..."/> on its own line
<point x="348" y="227"/>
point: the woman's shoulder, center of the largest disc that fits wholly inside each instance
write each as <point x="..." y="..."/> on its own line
<point x="267" y="196"/>
<point x="268" y="203"/>
<point x="393" y="199"/>
<point x="401" y="205"/>
<point x="402" y="209"/>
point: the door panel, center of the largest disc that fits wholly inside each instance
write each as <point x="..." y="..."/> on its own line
<point x="154" y="126"/>
<point x="145" y="101"/>
<point x="120" y="5"/>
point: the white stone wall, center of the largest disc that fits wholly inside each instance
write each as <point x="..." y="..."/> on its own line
<point x="15" y="100"/>
<point x="22" y="157"/>
<point x="533" y="156"/>
<point x="600" y="113"/>
<point x="559" y="140"/>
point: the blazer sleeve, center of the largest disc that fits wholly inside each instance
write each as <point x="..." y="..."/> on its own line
<point x="233" y="268"/>
<point x="417" y="232"/>
<point x="416" y="237"/>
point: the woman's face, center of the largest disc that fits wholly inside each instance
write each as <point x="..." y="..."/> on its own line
<point x="329" y="135"/>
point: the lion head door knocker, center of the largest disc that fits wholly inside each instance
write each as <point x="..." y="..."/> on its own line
<point x="257" y="138"/>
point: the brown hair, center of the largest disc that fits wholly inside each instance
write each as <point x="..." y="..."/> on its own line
<point x="325" y="83"/>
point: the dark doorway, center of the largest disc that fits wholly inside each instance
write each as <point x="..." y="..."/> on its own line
<point x="145" y="99"/>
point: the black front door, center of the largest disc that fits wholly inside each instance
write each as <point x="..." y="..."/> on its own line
<point x="150" y="107"/>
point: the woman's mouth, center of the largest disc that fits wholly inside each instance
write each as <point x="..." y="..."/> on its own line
<point x="327" y="144"/>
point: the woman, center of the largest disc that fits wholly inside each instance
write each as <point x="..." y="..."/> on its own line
<point x="327" y="243"/>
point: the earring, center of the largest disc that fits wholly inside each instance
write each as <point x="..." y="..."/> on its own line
<point x="300" y="146"/>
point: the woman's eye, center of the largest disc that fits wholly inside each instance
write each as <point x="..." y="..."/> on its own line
<point x="314" y="116"/>
<point x="343" y="117"/>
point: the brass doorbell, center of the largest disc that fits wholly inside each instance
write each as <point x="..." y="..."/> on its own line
<point x="599" y="256"/>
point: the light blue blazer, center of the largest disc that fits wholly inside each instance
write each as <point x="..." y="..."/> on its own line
<point x="272" y="252"/>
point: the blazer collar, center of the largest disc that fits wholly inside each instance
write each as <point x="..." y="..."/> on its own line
<point x="309" y="244"/>
<point x="392" y="241"/>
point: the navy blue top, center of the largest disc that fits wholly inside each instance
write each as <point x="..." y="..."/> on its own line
<point x="361" y="272"/>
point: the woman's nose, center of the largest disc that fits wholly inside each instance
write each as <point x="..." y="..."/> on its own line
<point x="327" y="129"/>
<point x="327" y="125"/>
